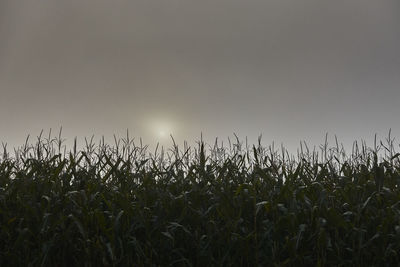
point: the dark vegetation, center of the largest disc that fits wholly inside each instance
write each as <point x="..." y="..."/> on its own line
<point x="202" y="206"/>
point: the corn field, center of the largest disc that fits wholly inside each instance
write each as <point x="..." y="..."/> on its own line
<point x="207" y="205"/>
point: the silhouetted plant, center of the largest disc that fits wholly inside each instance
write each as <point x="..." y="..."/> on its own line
<point x="121" y="205"/>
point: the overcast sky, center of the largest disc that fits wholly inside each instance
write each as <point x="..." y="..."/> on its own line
<point x="290" y="70"/>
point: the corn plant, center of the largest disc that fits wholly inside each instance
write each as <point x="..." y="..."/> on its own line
<point x="239" y="205"/>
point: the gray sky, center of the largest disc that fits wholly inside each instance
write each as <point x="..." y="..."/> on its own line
<point x="289" y="69"/>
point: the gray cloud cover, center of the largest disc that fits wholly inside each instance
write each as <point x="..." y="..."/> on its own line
<point x="291" y="70"/>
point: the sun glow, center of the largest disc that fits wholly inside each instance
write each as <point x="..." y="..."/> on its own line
<point x="162" y="133"/>
<point x="162" y="128"/>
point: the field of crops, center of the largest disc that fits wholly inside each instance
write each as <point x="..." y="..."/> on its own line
<point x="235" y="205"/>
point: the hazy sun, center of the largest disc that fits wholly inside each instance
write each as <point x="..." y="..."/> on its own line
<point x="161" y="128"/>
<point x="162" y="133"/>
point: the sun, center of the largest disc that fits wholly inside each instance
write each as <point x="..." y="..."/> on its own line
<point x="161" y="128"/>
<point x="162" y="134"/>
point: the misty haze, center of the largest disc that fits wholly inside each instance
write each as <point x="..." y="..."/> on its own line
<point x="199" y="133"/>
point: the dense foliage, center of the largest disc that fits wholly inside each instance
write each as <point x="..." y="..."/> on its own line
<point x="219" y="206"/>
